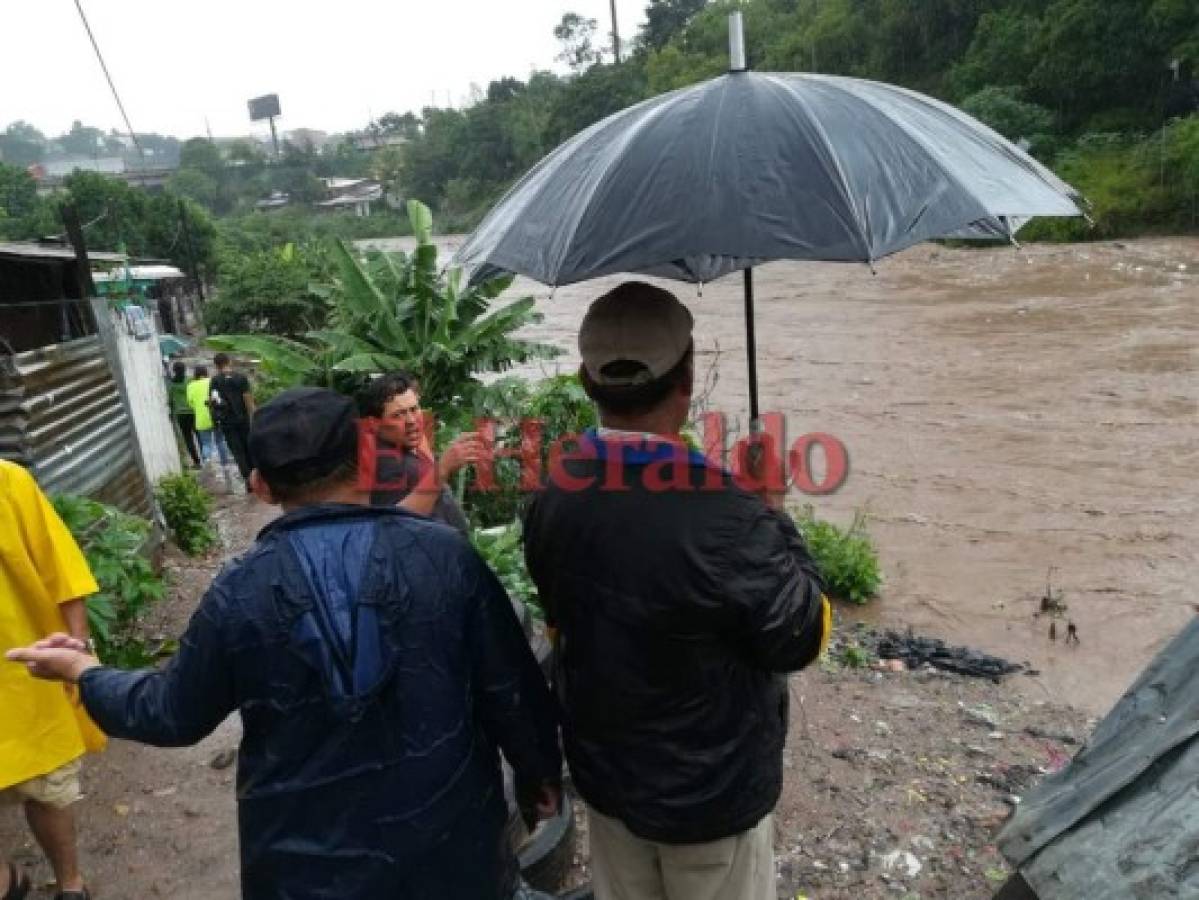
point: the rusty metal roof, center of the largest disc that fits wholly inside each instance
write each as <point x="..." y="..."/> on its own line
<point x="62" y="417"/>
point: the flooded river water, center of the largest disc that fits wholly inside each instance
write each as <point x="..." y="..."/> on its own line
<point x="1005" y="412"/>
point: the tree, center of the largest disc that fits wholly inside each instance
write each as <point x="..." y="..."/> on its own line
<point x="22" y="145"/>
<point x="246" y="153"/>
<point x="18" y="192"/>
<point x="577" y="36"/>
<point x="387" y="168"/>
<point x="393" y="311"/>
<point x="504" y="90"/>
<point x="83" y="140"/>
<point x="197" y="185"/>
<point x="143" y="224"/>
<point x="589" y="97"/>
<point x="201" y="154"/>
<point x="664" y="19"/>
<point x="1003" y="109"/>
<point x="395" y="125"/>
<point x="269" y="290"/>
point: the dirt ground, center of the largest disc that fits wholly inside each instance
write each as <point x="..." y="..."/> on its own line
<point x="1006" y="412"/>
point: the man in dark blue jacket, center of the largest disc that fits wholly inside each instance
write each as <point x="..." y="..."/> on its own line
<point x="377" y="665"/>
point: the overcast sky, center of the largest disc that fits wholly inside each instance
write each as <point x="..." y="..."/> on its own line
<point x="334" y="63"/>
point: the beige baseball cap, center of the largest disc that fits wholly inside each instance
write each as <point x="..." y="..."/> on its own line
<point x="633" y="334"/>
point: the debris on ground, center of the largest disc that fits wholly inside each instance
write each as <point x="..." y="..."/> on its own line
<point x="916" y="651"/>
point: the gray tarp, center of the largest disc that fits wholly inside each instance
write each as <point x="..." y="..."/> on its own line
<point x="1122" y="820"/>
<point x="751" y="167"/>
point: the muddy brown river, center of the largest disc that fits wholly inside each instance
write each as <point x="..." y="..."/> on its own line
<point x="1006" y="412"/>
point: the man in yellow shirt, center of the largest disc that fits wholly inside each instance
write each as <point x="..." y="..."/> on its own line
<point x="43" y="582"/>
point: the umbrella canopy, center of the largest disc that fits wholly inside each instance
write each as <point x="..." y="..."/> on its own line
<point x="751" y="167"/>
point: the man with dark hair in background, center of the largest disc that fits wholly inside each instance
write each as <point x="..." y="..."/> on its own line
<point x="406" y="473"/>
<point x="377" y="665"/>
<point x="232" y="403"/>
<point x="680" y="600"/>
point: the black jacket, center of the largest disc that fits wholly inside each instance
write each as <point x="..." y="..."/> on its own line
<point x="377" y="665"/>
<point x="677" y="610"/>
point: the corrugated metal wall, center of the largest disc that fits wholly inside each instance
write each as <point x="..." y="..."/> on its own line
<point x="61" y="415"/>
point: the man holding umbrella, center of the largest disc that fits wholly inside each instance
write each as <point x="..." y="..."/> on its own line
<point x="680" y="601"/>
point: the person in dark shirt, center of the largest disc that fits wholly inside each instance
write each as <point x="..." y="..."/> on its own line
<point x="406" y="474"/>
<point x="232" y="405"/>
<point x="379" y="670"/>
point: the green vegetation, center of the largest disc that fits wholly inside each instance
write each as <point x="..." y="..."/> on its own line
<point x="115" y="546"/>
<point x="116" y="216"/>
<point x="560" y="407"/>
<point x="1064" y="75"/>
<point x="187" y="509"/>
<point x="846" y="556"/>
<point x="1104" y="91"/>
<point x="503" y="551"/>
<point x="389" y="311"/>
<point x="272" y="290"/>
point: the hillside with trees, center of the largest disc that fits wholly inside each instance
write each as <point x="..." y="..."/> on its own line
<point x="1103" y="91"/>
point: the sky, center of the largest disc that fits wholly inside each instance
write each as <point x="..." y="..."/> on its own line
<point x="334" y="65"/>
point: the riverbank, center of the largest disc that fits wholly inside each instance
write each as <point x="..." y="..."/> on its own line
<point x="894" y="781"/>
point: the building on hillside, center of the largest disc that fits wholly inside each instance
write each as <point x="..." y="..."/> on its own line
<point x="367" y="141"/>
<point x="50" y="174"/>
<point x="351" y="194"/>
<point x="276" y="200"/>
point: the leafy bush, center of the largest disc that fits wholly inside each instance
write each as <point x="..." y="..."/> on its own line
<point x="187" y="507"/>
<point x="1135" y="184"/>
<point x="393" y="311"/>
<point x="270" y="291"/>
<point x="503" y="551"/>
<point x="558" y="403"/>
<point x="114" y="543"/>
<point x="846" y="556"/>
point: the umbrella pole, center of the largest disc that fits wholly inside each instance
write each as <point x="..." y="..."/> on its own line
<point x="751" y="351"/>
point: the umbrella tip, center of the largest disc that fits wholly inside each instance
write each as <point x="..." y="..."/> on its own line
<point x="737" y="42"/>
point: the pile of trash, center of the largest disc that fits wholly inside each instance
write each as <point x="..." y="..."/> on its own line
<point x="917" y="652"/>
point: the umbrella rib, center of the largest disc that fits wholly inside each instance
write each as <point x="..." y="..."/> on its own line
<point x="613" y="159"/>
<point x="863" y="236"/>
<point x="1001" y="146"/>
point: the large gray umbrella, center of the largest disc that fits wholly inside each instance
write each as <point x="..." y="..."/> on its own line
<point x="752" y="167"/>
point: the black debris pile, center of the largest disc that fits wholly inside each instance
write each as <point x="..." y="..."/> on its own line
<point x="918" y="651"/>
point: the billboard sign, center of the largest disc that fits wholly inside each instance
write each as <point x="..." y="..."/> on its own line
<point x="264" y="107"/>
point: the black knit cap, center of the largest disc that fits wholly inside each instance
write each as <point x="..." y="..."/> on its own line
<point x="304" y="434"/>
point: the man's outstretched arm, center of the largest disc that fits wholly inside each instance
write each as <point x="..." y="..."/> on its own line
<point x="170" y="707"/>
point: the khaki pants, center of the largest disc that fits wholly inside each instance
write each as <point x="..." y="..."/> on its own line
<point x="626" y="867"/>
<point x="58" y="789"/>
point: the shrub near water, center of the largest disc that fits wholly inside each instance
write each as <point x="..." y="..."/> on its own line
<point x="846" y="556"/>
<point x="186" y="507"/>
<point x="113" y="543"/>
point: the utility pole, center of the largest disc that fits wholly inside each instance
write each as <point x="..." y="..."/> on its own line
<point x="615" y="32"/>
<point x="274" y="137"/>
<point x="191" y="250"/>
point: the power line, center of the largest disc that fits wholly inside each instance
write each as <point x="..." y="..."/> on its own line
<point x="112" y="86"/>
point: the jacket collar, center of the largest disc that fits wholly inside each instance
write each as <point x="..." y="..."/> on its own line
<point x="329" y="512"/>
<point x="641" y="449"/>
